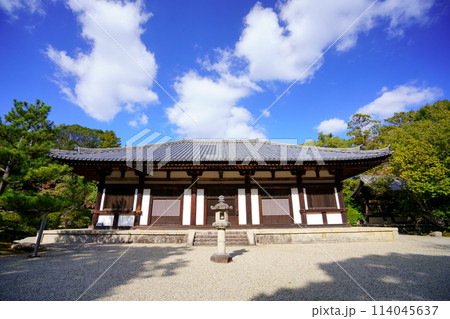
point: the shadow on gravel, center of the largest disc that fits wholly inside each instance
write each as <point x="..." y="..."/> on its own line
<point x="66" y="271"/>
<point x="238" y="252"/>
<point x="393" y="277"/>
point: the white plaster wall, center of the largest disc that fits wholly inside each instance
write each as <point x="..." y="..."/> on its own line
<point x="255" y="206"/>
<point x="126" y="220"/>
<point x="305" y="199"/>
<point x="310" y="174"/>
<point x="200" y="212"/>
<point x="231" y="174"/>
<point x="130" y="174"/>
<point x="106" y="220"/>
<point x="115" y="174"/>
<point x="145" y="206"/>
<point x="262" y="174"/>
<point x="180" y="174"/>
<point x="210" y="175"/>
<point x="334" y="218"/>
<point x="242" y="207"/>
<point x="158" y="174"/>
<point x="187" y="207"/>
<point x="102" y="202"/>
<point x="314" y="219"/>
<point x="135" y="199"/>
<point x="336" y="196"/>
<point x="296" y="205"/>
<point x="281" y="174"/>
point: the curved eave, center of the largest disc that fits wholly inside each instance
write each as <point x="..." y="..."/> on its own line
<point x="271" y="162"/>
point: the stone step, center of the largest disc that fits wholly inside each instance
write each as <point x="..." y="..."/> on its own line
<point x="236" y="238"/>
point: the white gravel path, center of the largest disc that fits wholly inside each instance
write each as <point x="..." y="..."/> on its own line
<point x="410" y="268"/>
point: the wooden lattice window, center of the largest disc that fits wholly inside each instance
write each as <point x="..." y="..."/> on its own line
<point x="167" y="207"/>
<point x="119" y="199"/>
<point x="275" y="206"/>
<point x="321" y="197"/>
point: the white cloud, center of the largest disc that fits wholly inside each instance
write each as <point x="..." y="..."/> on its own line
<point x="400" y="99"/>
<point x="281" y="46"/>
<point x="13" y="6"/>
<point x="140" y="120"/>
<point x="334" y="126"/>
<point x="107" y="80"/>
<point x="212" y="103"/>
<point x="402" y="14"/>
<point x="276" y="45"/>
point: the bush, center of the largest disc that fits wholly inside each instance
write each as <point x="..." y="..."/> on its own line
<point x="15" y="226"/>
<point x="353" y="216"/>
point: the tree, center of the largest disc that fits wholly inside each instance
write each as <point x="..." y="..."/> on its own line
<point x="392" y="123"/>
<point x="25" y="168"/>
<point x="70" y="136"/>
<point x="25" y="140"/>
<point x="78" y="196"/>
<point x="109" y="139"/>
<point x="78" y="192"/>
<point x="363" y="130"/>
<point x="421" y="159"/>
<point x="328" y="140"/>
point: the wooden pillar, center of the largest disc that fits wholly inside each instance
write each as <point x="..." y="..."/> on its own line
<point x="194" y="174"/>
<point x="98" y="200"/>
<point x="150" y="207"/>
<point x="100" y="187"/>
<point x="338" y="182"/>
<point x="324" y="218"/>
<point x="301" y="196"/>
<point x="116" y="220"/>
<point x="137" y="218"/>
<point x="193" y="204"/>
<point x="94" y="218"/>
<point x="248" y="198"/>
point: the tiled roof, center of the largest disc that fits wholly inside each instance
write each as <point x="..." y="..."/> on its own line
<point x="395" y="184"/>
<point x="219" y="151"/>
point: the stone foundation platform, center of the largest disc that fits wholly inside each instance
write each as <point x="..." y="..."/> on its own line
<point x="256" y="236"/>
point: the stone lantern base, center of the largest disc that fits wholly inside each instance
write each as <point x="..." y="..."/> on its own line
<point x="221" y="258"/>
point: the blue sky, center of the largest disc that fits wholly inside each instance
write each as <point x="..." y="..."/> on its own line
<point x="223" y="69"/>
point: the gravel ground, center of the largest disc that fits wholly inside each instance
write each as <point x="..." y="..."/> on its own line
<point x="410" y="268"/>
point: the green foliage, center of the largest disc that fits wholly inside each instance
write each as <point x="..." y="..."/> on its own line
<point x="353" y="215"/>
<point x="70" y="136"/>
<point x="25" y="168"/>
<point x="31" y="184"/>
<point x="354" y="207"/>
<point x="109" y="139"/>
<point x="422" y="160"/>
<point x="14" y="225"/>
<point x="363" y="131"/>
<point x="328" y="140"/>
<point x="78" y="194"/>
<point x="25" y="140"/>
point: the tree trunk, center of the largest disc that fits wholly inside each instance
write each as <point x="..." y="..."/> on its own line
<point x="3" y="181"/>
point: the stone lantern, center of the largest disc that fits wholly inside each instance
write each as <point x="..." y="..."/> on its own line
<point x="221" y="223"/>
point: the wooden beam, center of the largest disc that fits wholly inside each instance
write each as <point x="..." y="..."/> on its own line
<point x="193" y="204"/>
